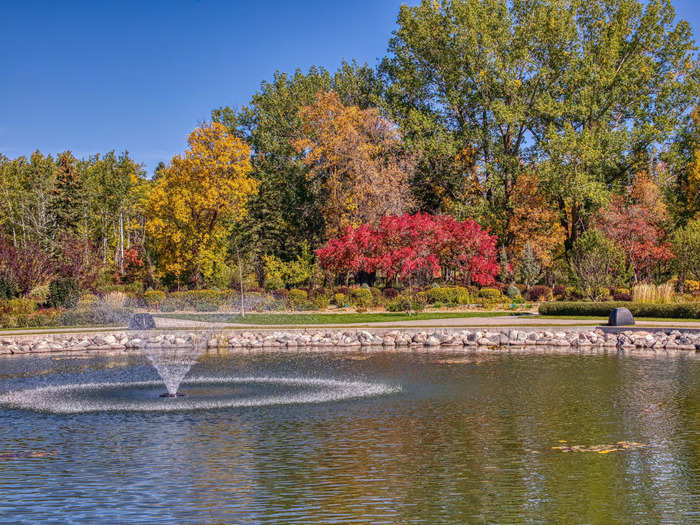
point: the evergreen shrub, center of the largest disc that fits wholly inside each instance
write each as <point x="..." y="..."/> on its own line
<point x="603" y="309"/>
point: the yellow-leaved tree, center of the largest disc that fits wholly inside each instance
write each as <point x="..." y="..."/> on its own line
<point x="195" y="200"/>
<point x="358" y="159"/>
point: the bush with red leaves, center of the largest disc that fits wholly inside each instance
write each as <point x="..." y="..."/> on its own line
<point x="539" y="293"/>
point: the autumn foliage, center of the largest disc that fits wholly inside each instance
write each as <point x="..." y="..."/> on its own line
<point x="192" y="203"/>
<point x="634" y="222"/>
<point x="419" y="246"/>
<point x="356" y="156"/>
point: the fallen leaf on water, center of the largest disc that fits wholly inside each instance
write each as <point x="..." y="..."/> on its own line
<point x="6" y="456"/>
<point x="600" y="449"/>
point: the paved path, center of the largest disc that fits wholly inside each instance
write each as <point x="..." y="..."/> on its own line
<point x="454" y="322"/>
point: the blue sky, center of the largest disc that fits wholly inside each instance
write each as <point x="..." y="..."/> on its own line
<point x="91" y="76"/>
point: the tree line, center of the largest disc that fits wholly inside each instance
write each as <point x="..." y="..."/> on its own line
<point x="558" y="126"/>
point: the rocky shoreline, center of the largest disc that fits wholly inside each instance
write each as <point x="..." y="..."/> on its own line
<point x="344" y="340"/>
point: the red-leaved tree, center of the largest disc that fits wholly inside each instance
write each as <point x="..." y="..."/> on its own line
<point x="634" y="227"/>
<point x="78" y="260"/>
<point x="415" y="247"/>
<point x="25" y="266"/>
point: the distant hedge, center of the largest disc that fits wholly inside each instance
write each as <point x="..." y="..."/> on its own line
<point x="603" y="309"/>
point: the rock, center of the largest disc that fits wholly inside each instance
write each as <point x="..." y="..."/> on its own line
<point x="142" y="322"/>
<point x="109" y="339"/>
<point x="432" y="341"/>
<point x="621" y="317"/>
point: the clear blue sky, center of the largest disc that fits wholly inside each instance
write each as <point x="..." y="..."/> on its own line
<point x="91" y="76"/>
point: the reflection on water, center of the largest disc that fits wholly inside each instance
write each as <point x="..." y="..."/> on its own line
<point x="468" y="439"/>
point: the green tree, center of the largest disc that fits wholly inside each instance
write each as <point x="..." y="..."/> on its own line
<point x="113" y="183"/>
<point x="686" y="249"/>
<point x="529" y="270"/>
<point x="597" y="262"/>
<point x="25" y="199"/>
<point x="286" y="209"/>
<point x="68" y="204"/>
<point x="584" y="88"/>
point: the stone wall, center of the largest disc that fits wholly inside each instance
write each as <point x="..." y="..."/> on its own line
<point x="350" y="339"/>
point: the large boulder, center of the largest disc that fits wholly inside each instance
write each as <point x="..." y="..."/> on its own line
<point x="142" y="322"/>
<point x="621" y="317"/>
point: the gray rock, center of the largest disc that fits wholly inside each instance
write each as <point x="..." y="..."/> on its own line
<point x="142" y="322"/>
<point x="621" y="317"/>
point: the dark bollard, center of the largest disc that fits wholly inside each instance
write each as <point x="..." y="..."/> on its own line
<point x="142" y="322"/>
<point x="621" y="317"/>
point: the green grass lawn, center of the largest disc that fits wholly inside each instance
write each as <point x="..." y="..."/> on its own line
<point x="329" y="319"/>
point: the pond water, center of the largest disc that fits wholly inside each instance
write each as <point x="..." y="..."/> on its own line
<point x="415" y="438"/>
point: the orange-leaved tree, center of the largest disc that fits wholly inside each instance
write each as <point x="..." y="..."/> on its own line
<point x="194" y="201"/>
<point x="357" y="159"/>
<point x="534" y="220"/>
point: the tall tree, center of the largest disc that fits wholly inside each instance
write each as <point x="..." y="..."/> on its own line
<point x="356" y="158"/>
<point x="26" y="193"/>
<point x="584" y="88"/>
<point x="68" y="204"/>
<point x="634" y="222"/>
<point x="286" y="209"/>
<point x="194" y="201"/>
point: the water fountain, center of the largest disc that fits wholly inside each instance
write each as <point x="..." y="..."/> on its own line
<point x="173" y="364"/>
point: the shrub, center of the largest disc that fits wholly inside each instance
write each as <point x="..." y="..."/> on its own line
<point x="539" y="293"/>
<point x="621" y="296"/>
<point x="208" y="297"/>
<point x="8" y="289"/>
<point x="39" y="293"/>
<point x="320" y="302"/>
<point x="559" y="291"/>
<point x="499" y="286"/>
<point x="342" y="289"/>
<point x="297" y="297"/>
<point x="603" y="309"/>
<point x="390" y="293"/>
<point x="692" y="286"/>
<point x="403" y="303"/>
<point x="206" y="307"/>
<point x="449" y="295"/>
<point x="573" y="293"/>
<point x="280" y="295"/>
<point x="7" y="321"/>
<point x="490" y="293"/>
<point x="361" y="297"/>
<point x="512" y="291"/>
<point x="167" y="307"/>
<point x="154" y="298"/>
<point x="340" y="299"/>
<point x="87" y="299"/>
<point x="100" y="315"/>
<point x="18" y="306"/>
<point x="63" y="293"/>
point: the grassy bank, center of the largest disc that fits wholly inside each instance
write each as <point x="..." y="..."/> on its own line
<point x="329" y="319"/>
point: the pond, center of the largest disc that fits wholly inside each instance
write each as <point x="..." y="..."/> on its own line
<point x="353" y="438"/>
